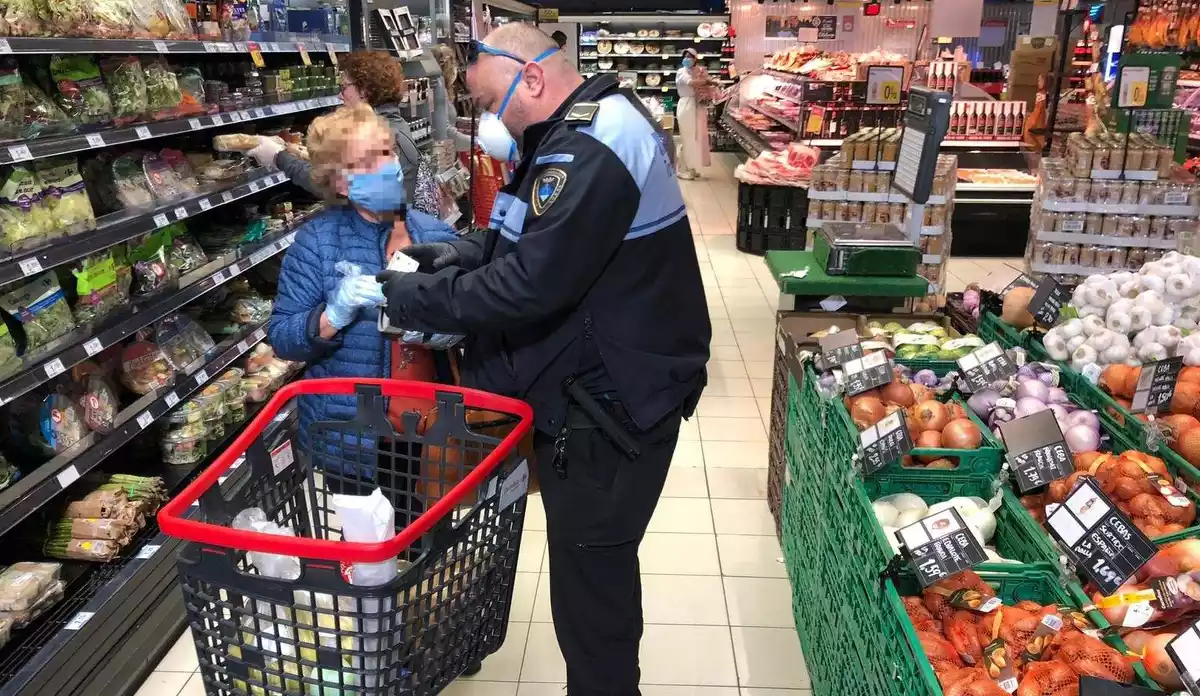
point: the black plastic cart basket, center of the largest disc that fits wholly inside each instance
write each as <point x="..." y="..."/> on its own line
<point x="273" y="614"/>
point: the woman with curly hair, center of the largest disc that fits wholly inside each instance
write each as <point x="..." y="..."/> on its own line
<point x="373" y="78"/>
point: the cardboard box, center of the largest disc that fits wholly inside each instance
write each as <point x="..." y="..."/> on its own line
<point x="1031" y="59"/>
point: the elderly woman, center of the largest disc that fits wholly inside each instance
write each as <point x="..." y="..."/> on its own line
<point x="368" y="77"/>
<point x="326" y="307"/>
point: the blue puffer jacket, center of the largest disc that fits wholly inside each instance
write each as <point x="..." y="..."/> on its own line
<point x="306" y="281"/>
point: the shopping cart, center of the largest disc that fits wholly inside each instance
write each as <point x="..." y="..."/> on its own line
<point x="308" y="630"/>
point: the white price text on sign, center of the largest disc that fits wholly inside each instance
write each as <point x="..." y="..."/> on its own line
<point x="161" y="220"/>
<point x="142" y="132"/>
<point x="218" y="120"/>
<point x="92" y="347"/>
<point x="148" y="550"/>
<point x="79" y="620"/>
<point x="144" y="419"/>
<point x="235" y="116"/>
<point x="68" y="476"/>
<point x="95" y="140"/>
<point x="55" y="368"/>
<point x="227" y="196"/>
<point x="180" y="213"/>
<point x="30" y="265"/>
<point x="172" y="399"/>
<point x="19" y="153"/>
<point x="205" y="204"/>
<point x="253" y="187"/>
<point x="161" y="47"/>
<point x="194" y="124"/>
<point x="218" y="277"/>
<point x="1135" y="86"/>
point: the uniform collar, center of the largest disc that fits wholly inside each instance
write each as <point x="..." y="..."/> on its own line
<point x="592" y="89"/>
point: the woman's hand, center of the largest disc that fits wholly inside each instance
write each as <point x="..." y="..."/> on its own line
<point x="351" y="294"/>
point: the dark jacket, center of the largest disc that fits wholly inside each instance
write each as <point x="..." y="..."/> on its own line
<point x="308" y="277"/>
<point x="300" y="171"/>
<point x="589" y="270"/>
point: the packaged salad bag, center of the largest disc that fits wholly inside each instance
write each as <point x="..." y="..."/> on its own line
<point x="64" y="195"/>
<point x="79" y="90"/>
<point x="41" y="308"/>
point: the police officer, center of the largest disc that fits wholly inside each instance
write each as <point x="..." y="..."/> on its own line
<point x="585" y="299"/>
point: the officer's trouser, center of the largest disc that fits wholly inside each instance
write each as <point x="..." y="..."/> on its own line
<point x="595" y="519"/>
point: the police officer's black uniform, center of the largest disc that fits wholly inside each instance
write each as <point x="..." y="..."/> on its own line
<point x="589" y="277"/>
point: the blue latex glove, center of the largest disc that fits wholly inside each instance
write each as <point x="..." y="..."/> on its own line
<point x="352" y="293"/>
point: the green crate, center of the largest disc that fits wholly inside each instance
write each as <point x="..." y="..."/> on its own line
<point x="1116" y="417"/>
<point x="986" y="459"/>
<point x="1017" y="537"/>
<point x="992" y="329"/>
<point x="913" y="676"/>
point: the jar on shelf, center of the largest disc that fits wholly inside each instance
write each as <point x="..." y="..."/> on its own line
<point x="1141" y="226"/>
<point x="1093" y="223"/>
<point x="1087" y="255"/>
<point x="1071" y="222"/>
<point x="1135" y="257"/>
<point x="1158" y="228"/>
<point x="1130" y="191"/>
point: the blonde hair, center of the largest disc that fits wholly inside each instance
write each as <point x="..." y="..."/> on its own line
<point x="448" y="62"/>
<point x="328" y="141"/>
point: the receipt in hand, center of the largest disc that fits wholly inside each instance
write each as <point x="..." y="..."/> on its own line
<point x="404" y="264"/>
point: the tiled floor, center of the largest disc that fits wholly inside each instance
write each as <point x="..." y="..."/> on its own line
<point x="716" y="595"/>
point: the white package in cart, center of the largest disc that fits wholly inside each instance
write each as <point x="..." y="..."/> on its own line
<point x="367" y="519"/>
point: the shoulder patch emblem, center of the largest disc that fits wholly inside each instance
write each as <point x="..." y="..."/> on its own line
<point x="547" y="188"/>
<point x="582" y="113"/>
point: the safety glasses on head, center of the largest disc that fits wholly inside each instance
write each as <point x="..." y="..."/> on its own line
<point x="477" y="48"/>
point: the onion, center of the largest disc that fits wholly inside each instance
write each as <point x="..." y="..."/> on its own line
<point x="929" y="439"/>
<point x="1158" y="663"/>
<point x="1061" y="415"/>
<point x="885" y="512"/>
<point x="906" y="501"/>
<point x="1027" y="406"/>
<point x="896" y="392"/>
<point x="961" y="434"/>
<point x="1025" y="372"/>
<point x="926" y="377"/>
<point x="866" y="411"/>
<point x="1058" y="395"/>
<point x="1083" y="417"/>
<point x="1082" y="438"/>
<point x="983" y="401"/>
<point x="931" y="415"/>
<point x="1033" y="388"/>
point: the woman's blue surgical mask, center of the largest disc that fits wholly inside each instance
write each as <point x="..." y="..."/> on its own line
<point x="380" y="191"/>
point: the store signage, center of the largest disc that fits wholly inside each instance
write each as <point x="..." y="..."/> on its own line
<point x="883" y="84"/>
<point x="1135" y="86"/>
<point x="1107" y="547"/>
<point x="985" y="365"/>
<point x="1037" y="453"/>
<point x="1184" y="651"/>
<point x="1156" y="385"/>
<point x="547" y="14"/>
<point x="817" y="28"/>
<point x="867" y="372"/>
<point x="1048" y="301"/>
<point x="885" y="442"/>
<point x="900" y="23"/>
<point x="940" y="546"/>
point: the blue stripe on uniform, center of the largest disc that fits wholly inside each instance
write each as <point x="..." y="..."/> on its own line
<point x="555" y="159"/>
<point x="651" y="227"/>
<point x="513" y="224"/>
<point x="499" y="208"/>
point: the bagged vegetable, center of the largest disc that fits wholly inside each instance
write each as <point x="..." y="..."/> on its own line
<point x="183" y="170"/>
<point x="98" y="503"/>
<point x="181" y="340"/>
<point x="191" y="89"/>
<point x="98" y="400"/>
<point x="79" y="89"/>
<point x="81" y="549"/>
<point x="12" y="102"/>
<point x="171" y="21"/>
<point x="23" y="18"/>
<point x="41" y="117"/>
<point x="186" y="254"/>
<point x="61" y="424"/>
<point x="64" y="195"/>
<point x="114" y="19"/>
<point x="24" y="220"/>
<point x="151" y="269"/>
<point x="127" y="87"/>
<point x="144" y="368"/>
<point x="8" y="473"/>
<point x="132" y="189"/>
<point x="41" y="308"/>
<point x="96" y="288"/>
<point x="162" y="90"/>
<point x="93" y="528"/>
<point x="21" y="584"/>
<point x="164" y="183"/>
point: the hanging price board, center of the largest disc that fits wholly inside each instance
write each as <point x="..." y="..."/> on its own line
<point x="1037" y="452"/>
<point x="1108" y="548"/>
<point x="1156" y="385"/>
<point x="985" y="365"/>
<point x="941" y="546"/>
<point x="1048" y="301"/>
<point x="329" y="48"/>
<point x="885" y="442"/>
<point x="304" y="54"/>
<point x="883" y="84"/>
<point x="839" y="348"/>
<point x="867" y="372"/>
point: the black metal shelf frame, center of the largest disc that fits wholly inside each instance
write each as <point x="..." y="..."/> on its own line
<point x="51" y="147"/>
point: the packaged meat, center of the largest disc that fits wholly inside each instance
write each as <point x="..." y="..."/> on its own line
<point x="21" y="584"/>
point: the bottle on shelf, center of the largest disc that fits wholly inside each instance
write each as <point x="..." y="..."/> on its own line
<point x="972" y="121"/>
<point x="955" y="110"/>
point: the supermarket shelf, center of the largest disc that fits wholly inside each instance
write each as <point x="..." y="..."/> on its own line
<point x="284" y="44"/>
<point x="660" y="88"/>
<point x="745" y="136"/>
<point x="127" y="224"/>
<point x="39" y="487"/>
<point x="956" y="144"/>
<point x="1081" y="238"/>
<point x="654" y="38"/>
<point x="86" y="341"/>
<point x="615" y="56"/>
<point x="774" y="116"/>
<point x="50" y="147"/>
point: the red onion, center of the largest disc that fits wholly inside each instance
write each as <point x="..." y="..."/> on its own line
<point x="1057" y="395"/>
<point x="1083" y="417"/>
<point x="1029" y="405"/>
<point x="1033" y="388"/>
<point x="1081" y="438"/>
<point x="1061" y="415"/>
<point x="983" y="401"/>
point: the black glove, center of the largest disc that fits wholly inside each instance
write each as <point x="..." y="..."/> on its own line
<point x="434" y="256"/>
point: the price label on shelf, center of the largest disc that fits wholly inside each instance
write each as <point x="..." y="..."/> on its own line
<point x="257" y="56"/>
<point x="161" y="47"/>
<point x="1156" y="385"/>
<point x="205" y="204"/>
<point x="181" y="213"/>
<point x="329" y="48"/>
<point x="142" y="132"/>
<point x="261" y="255"/>
<point x="161" y="220"/>
<point x="883" y="84"/>
<point x="19" y="153"/>
<point x="210" y="47"/>
<point x="839" y="348"/>
<point x="95" y="140"/>
<point x="273" y="47"/>
<point x="1037" y="453"/>
<point x="172" y="399"/>
<point x="1135" y="86"/>
<point x="144" y="419"/>
<point x="194" y="124"/>
<point x="30" y="266"/>
<point x="867" y="372"/>
<point x="54" y="368"/>
<point x="148" y="551"/>
<point x="243" y="346"/>
<point x="92" y="347"/>
<point x="885" y="442"/>
<point x="235" y="116"/>
<point x="254" y="187"/>
<point x="940" y="546"/>
<point x="1048" y="301"/>
<point x="218" y="120"/>
<point x="1106" y="546"/>
<point x="304" y="54"/>
<point x="4" y="47"/>
<point x="227" y="196"/>
<point x="67" y="476"/>
<point x="79" y="620"/>
<point x="226" y="47"/>
<point x="218" y="278"/>
<point x="242" y="47"/>
<point x="985" y="365"/>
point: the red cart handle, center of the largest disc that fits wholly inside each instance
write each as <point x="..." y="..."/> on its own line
<point x="172" y="522"/>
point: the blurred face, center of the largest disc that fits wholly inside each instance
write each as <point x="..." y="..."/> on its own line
<point x="350" y="95"/>
<point x="366" y="151"/>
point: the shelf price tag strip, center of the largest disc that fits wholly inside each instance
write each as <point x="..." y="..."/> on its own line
<point x="1041" y="454"/>
<point x="1156" y="385"/>
<point x="1105" y="544"/>
<point x="885" y="442"/>
<point x="985" y="365"/>
<point x="940" y="546"/>
<point x="868" y="372"/>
